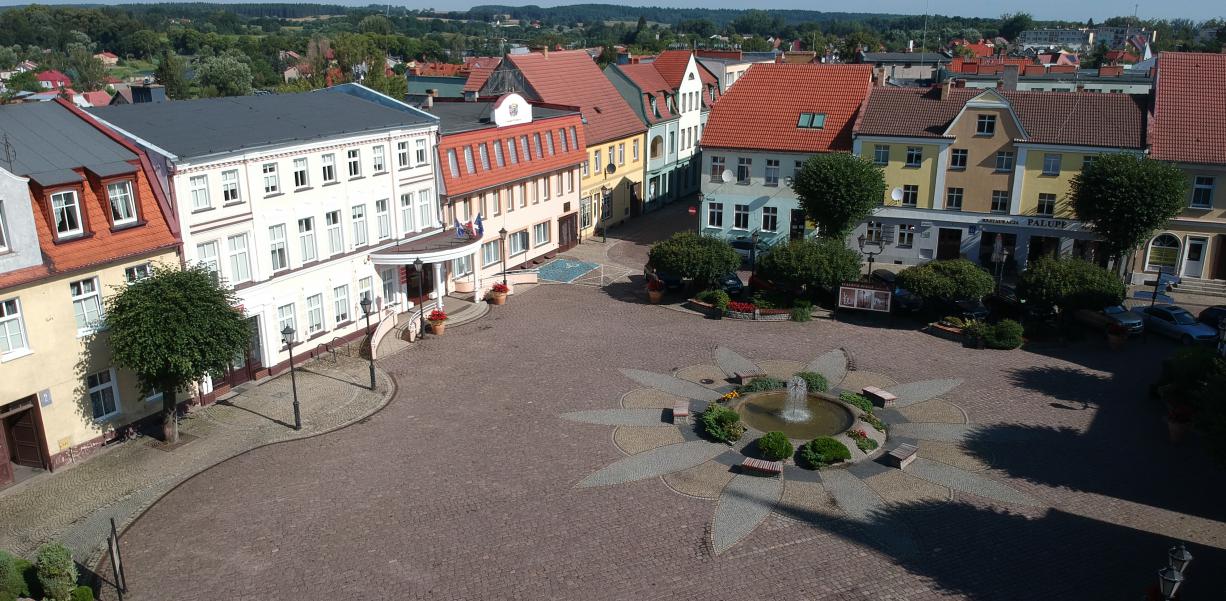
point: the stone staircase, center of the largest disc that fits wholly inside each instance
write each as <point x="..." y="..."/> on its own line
<point x="1202" y="287"/>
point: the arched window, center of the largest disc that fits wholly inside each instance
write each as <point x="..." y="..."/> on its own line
<point x="1163" y="253"/>
<point x="657" y="147"/>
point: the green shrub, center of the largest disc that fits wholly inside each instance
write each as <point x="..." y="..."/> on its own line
<point x="57" y="573"/>
<point x="721" y="423"/>
<point x="717" y="298"/>
<point x="809" y="264"/>
<point x="705" y="259"/>
<point x="13" y="577"/>
<point x="775" y="446"/>
<point x="1004" y="335"/>
<point x="823" y="451"/>
<point x="863" y="442"/>
<point x="815" y="381"/>
<point x="873" y="421"/>
<point x="857" y="399"/>
<point x="772" y="299"/>
<point x="951" y="279"/>
<point x="802" y="310"/>
<point x="1070" y="283"/>
<point x="762" y="384"/>
<point x="82" y="593"/>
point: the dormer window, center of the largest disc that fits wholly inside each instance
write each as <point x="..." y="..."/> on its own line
<point x="655" y="108"/>
<point x="811" y="121"/>
<point x="123" y="203"/>
<point x="66" y="210"/>
<point x="985" y="125"/>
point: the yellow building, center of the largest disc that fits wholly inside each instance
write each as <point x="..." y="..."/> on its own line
<point x="984" y="174"/>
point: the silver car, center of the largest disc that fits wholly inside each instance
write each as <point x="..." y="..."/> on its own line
<point x="1176" y="322"/>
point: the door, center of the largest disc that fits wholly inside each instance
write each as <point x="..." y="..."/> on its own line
<point x="1219" y="260"/>
<point x="6" y="466"/>
<point x="949" y="243"/>
<point x="245" y="365"/>
<point x="568" y="232"/>
<point x="23" y="439"/>
<point x="796" y="228"/>
<point x="1194" y="262"/>
<point x="420" y="283"/>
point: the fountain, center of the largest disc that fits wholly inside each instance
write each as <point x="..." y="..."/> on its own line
<point x="795" y="411"/>
<point x="796" y="407"/>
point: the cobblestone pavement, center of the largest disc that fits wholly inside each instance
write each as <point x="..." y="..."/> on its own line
<point x="75" y="505"/>
<point x="466" y="485"/>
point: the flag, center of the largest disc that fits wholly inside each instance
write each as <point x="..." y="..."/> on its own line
<point x="469" y="231"/>
<point x="459" y="229"/>
<point x="480" y="226"/>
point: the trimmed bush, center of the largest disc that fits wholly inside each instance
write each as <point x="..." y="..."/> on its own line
<point x="82" y="593"/>
<point x="717" y="298"/>
<point x="705" y="259"/>
<point x="1071" y="284"/>
<point x="823" y="451"/>
<point x="1005" y="335"/>
<point x="721" y="424"/>
<point x="857" y="399"/>
<point x="775" y="446"/>
<point x="809" y="264"/>
<point x="13" y="577"/>
<point x="57" y="573"/>
<point x="951" y="279"/>
<point x="762" y="384"/>
<point x="815" y="381"/>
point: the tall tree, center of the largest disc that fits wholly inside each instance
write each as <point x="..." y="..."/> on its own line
<point x="1125" y="198"/>
<point x="1013" y="24"/>
<point x="170" y="74"/>
<point x="838" y="190"/>
<point x="172" y="329"/>
<point x="223" y="76"/>
<point x="88" y="73"/>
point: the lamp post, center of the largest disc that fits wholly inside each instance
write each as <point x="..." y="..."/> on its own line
<point x="753" y="253"/>
<point x="421" y="295"/>
<point x="604" y="207"/>
<point x="1171" y="577"/>
<point x="870" y="254"/>
<point x="287" y="335"/>
<point x="371" y="341"/>
<point x="502" y="235"/>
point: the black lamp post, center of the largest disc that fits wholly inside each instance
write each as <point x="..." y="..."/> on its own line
<point x="1171" y="577"/>
<point x="371" y="341"/>
<point x="421" y="295"/>
<point x="605" y="192"/>
<point x="287" y="335"/>
<point x="502" y="235"/>
<point x="870" y="254"/>
<point x="753" y="253"/>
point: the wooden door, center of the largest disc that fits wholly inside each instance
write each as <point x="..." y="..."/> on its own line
<point x="1219" y="261"/>
<point x="6" y="467"/>
<point x="23" y="438"/>
<point x="568" y="232"/>
<point x="949" y="243"/>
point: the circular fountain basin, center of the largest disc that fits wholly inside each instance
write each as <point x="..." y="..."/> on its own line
<point x="764" y="411"/>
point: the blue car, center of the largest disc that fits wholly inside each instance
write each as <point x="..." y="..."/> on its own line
<point x="1175" y="322"/>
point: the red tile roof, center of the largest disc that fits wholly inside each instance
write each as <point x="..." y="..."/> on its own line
<point x="479" y="72"/>
<point x="481" y="178"/>
<point x="653" y="87"/>
<point x="1074" y="118"/>
<point x="97" y="98"/>
<point x="55" y="77"/>
<point x="671" y="64"/>
<point x="761" y="111"/>
<point x="571" y="78"/>
<point x="1189" y="120"/>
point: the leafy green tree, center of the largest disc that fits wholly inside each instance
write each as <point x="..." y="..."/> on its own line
<point x="8" y="57"/>
<point x="223" y="76"/>
<point x="395" y="86"/>
<point x="172" y="329"/>
<point x="953" y="279"/>
<point x="170" y="73"/>
<point x="809" y="264"/>
<point x="1126" y="198"/>
<point x="705" y="259"/>
<point x="88" y="73"/>
<point x="1070" y="283"/>
<point x="1011" y="25"/>
<point x="838" y="190"/>
<point x="856" y="41"/>
<point x="144" y="43"/>
<point x="23" y="82"/>
<point x="377" y="24"/>
<point x="1210" y="410"/>
<point x="755" y="44"/>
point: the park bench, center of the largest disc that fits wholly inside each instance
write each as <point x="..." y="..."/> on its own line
<point x="681" y="411"/>
<point x="902" y="455"/>
<point x="744" y="378"/>
<point x="762" y="466"/>
<point x="879" y="396"/>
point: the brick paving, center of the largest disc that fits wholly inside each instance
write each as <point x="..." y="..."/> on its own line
<point x="465" y="485"/>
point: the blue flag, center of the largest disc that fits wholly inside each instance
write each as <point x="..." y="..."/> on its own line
<point x="459" y="229"/>
<point x="480" y="227"/>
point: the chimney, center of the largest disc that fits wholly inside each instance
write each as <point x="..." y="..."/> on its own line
<point x="945" y="86"/>
<point x="1081" y="87"/>
<point x="1010" y="76"/>
<point x="428" y="103"/>
<point x="910" y="45"/>
<point x="1000" y="84"/>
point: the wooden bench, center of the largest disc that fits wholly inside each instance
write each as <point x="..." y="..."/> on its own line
<point x="744" y="378"/>
<point x="762" y="466"/>
<point x="902" y="455"/>
<point x="681" y="411"/>
<point x="879" y="396"/>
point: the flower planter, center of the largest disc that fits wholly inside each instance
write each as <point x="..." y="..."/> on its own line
<point x="738" y="315"/>
<point x="655" y="296"/>
<point x="498" y="298"/>
<point x="941" y="330"/>
<point x="437" y="328"/>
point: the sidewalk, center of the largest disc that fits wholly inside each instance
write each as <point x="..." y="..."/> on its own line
<point x="74" y="505"/>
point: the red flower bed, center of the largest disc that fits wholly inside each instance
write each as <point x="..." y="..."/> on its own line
<point x="740" y="307"/>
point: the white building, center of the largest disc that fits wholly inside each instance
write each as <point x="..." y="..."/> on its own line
<point x="287" y="196"/>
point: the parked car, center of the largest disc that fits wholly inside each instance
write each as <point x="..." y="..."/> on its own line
<point x="1176" y="322"/>
<point x="1006" y="303"/>
<point x="1212" y="316"/>
<point x="967" y="308"/>
<point x="904" y="299"/>
<point x="732" y="284"/>
<point x="671" y="282"/>
<point x="1115" y="314"/>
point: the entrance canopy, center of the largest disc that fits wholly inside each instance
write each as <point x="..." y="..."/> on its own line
<point x="441" y="245"/>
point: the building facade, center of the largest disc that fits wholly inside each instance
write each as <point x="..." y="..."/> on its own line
<point x="79" y="218"/>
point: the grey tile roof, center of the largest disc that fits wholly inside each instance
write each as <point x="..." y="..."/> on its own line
<point x="456" y="117"/>
<point x="905" y="57"/>
<point x="49" y="141"/>
<point x="210" y="126"/>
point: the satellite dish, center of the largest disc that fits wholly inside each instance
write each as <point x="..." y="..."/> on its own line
<point x="896" y="194"/>
<point x="727" y="176"/>
<point x="610" y="169"/>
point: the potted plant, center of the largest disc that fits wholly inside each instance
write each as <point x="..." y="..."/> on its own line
<point x="498" y="293"/>
<point x="438" y="321"/>
<point x="1117" y="335"/>
<point x="655" y="291"/>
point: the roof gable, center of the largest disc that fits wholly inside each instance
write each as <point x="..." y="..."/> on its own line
<point x="988" y="99"/>
<point x="571" y="77"/>
<point x="672" y="65"/>
<point x="1189" y="120"/>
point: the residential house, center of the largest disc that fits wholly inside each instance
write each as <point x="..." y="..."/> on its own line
<point x="1042" y="39"/>
<point x="966" y="169"/>
<point x="109" y="59"/>
<point x="730" y="65"/>
<point x="80" y="216"/>
<point x="287" y="198"/>
<point x="139" y="93"/>
<point x="905" y="66"/>
<point x="52" y="80"/>
<point x="1107" y="79"/>
<point x="758" y="136"/>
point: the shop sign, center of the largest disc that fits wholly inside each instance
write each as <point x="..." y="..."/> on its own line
<point x="864" y="296"/>
<point x="1057" y="224"/>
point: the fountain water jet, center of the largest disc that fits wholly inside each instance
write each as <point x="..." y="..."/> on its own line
<point x="796" y="407"/>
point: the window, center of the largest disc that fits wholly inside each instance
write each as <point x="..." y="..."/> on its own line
<point x="985" y="125"/>
<point x="1000" y="201"/>
<point x="123" y="205"/>
<point x="240" y="261"/>
<point x="469" y="167"/>
<point x="906" y="235"/>
<point x="366" y="288"/>
<point x="272" y="183"/>
<point x="329" y="169"/>
<point x="910" y="195"/>
<point x="103" y="394"/>
<point x="199" y="190"/>
<point x="206" y="256"/>
<point x="300" y="173"/>
<point x="86" y="305"/>
<point x="496" y="198"/>
<point x="957" y="158"/>
<point x="585" y="212"/>
<point x="390" y="277"/>
<point x="915" y="154"/>
<point x="672" y="142"/>
<point x="1004" y="161"/>
<point x="355" y="162"/>
<point x="336" y="236"/>
<point x="563" y="140"/>
<point x="1163" y="253"/>
<point x="1087" y="160"/>
<point x="340" y="304"/>
<point x="549" y="142"/>
<point x="740" y="217"/>
<point x="306" y="238"/>
<point x="574" y="138"/>
<point x="597" y="167"/>
<point x="285" y="318"/>
<point x="383" y="219"/>
<point x="406" y="212"/>
<point x="422" y="158"/>
<point x="513" y="154"/>
<point x="463" y="265"/>
<point x="811" y="121"/>
<point x="540" y="234"/>
<point x="452" y="165"/>
<point x="1047" y="205"/>
<point x="1051" y="164"/>
<point x="717" y="169"/>
<point x="425" y="209"/>
<point x="770" y="219"/>
<point x="315" y="313"/>
<point x="359" y="225"/>
<point x="536" y="143"/>
<point x="137" y="273"/>
<point x="583" y="169"/>
<point x="12" y="330"/>
<point x="545" y="189"/>
<point x="635" y="150"/>
<point x="484" y="153"/>
<point x="953" y="199"/>
<point x="715" y="214"/>
<point x="490" y="253"/>
<point x="377" y="163"/>
<point x="881" y="154"/>
<point x="570" y="181"/>
<point x="772" y="172"/>
<point x="498" y="157"/>
<point x="743" y="167"/>
<point x="1202" y="192"/>
<point x="229" y="187"/>
<point x="402" y="154"/>
<point x="523" y="195"/>
<point x="276" y="247"/>
<point x="517" y="243"/>
<point x="4" y="241"/>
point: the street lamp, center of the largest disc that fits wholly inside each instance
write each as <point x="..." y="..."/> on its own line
<point x="1179" y="558"/>
<point x="502" y="235"/>
<point x="604" y="207"/>
<point x="753" y="253"/>
<point x="421" y="295"/>
<point x="871" y="254"/>
<point x="371" y="341"/>
<point x="287" y="334"/>
<point x="1171" y="577"/>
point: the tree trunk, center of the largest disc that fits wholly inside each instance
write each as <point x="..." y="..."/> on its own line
<point x="170" y="422"/>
